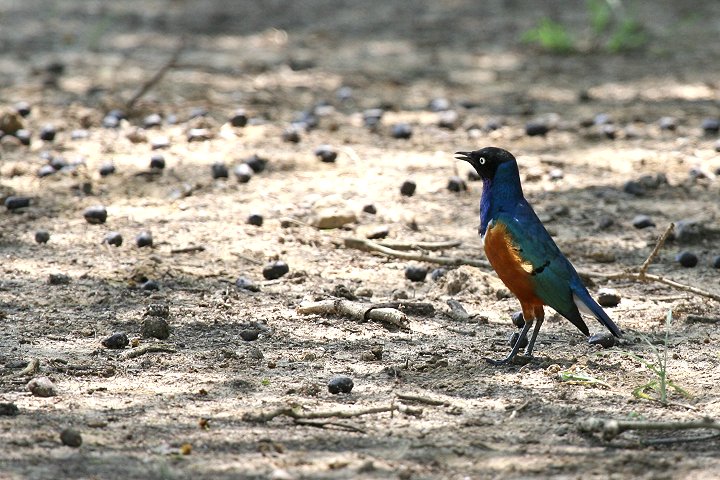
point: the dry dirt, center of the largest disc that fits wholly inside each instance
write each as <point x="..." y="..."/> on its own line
<point x="186" y="414"/>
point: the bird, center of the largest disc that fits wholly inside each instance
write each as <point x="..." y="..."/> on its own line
<point x="524" y="255"/>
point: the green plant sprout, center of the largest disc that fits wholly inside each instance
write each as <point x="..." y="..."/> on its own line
<point x="577" y="376"/>
<point x="551" y="36"/>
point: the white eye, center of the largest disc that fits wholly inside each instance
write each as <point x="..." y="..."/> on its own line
<point x="481" y="160"/>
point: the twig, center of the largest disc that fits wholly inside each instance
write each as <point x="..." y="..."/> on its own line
<point x="342" y="426"/>
<point x="457" y="311"/>
<point x="152" y="81"/>
<point x="654" y="278"/>
<point x="416" y="398"/>
<point x="653" y="254"/>
<point x="149" y="348"/>
<point x="609" y="429"/>
<point x="370" y="246"/>
<point x="297" y="413"/>
<point x="356" y="311"/>
<point x="404" y="246"/>
<point x="32" y="367"/>
<point x="245" y="257"/>
<point x="422" y="309"/>
<point x="191" y="249"/>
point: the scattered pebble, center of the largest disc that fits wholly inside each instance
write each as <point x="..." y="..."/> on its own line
<point x="47" y="133"/>
<point x="372" y="117"/>
<point x="340" y="384"/>
<point x="249" y="334"/>
<point x="157" y="162"/>
<point x="95" y="215"/>
<point x="668" y="123"/>
<point x="255" y="219"/>
<point x="604" y="339"/>
<point x="58" y="279"/>
<point x="239" y="118"/>
<point x="517" y="319"/>
<point x="155" y="327"/>
<point x="515" y="338"/>
<point x="634" y="188"/>
<point x="439" y="104"/>
<point x="199" y="135"/>
<point x="401" y="130"/>
<point x="716" y="262"/>
<point x="408" y="188"/>
<point x="116" y="341"/>
<point x="556" y="174"/>
<point x="219" y="170"/>
<point x="536" y="128"/>
<point x="326" y="153"/>
<point x="23" y="108"/>
<point x="378" y="233"/>
<point x="330" y="218"/>
<point x="106" y="169"/>
<point x="416" y="273"/>
<point x="150" y="286"/>
<point x="14" y="202"/>
<point x="717" y="149"/>
<point x="711" y="126"/>
<point x="609" y="131"/>
<point x="608" y="297"/>
<point x="8" y="409"/>
<point x="687" y="259"/>
<point x="256" y="163"/>
<point x="456" y="184"/>
<point x="42" y="236"/>
<point x="157" y="310"/>
<point x="152" y="120"/>
<point x="275" y="270"/>
<point x="437" y="274"/>
<point x="71" y="438"/>
<point x="45" y="170"/>
<point x="370" y="208"/>
<point x="243" y="173"/>
<point x="602" y="119"/>
<point x="144" y="239"/>
<point x="688" y="231"/>
<point x="42" y="387"/>
<point x="158" y="143"/>
<point x="113" y="238"/>
<point x="24" y="136"/>
<point x="244" y="283"/>
<point x="197" y="112"/>
<point x="291" y="134"/>
<point x="642" y="221"/>
<point x="448" y="120"/>
<point x="605" y="222"/>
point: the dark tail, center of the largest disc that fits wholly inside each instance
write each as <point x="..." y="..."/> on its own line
<point x="585" y="303"/>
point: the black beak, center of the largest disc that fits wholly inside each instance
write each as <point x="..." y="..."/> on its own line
<point x="463" y="156"/>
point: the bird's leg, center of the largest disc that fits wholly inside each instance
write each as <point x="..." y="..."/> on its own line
<point x="539" y="318"/>
<point x="528" y="314"/>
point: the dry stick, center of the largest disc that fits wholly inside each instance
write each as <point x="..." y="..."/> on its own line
<point x="149" y="348"/>
<point x="296" y="413"/>
<point x="653" y="254"/>
<point x="342" y="426"/>
<point x="420" y="245"/>
<point x="191" y="249"/>
<point x="612" y="428"/>
<point x="32" y="367"/>
<point x="145" y="87"/>
<point x="356" y="311"/>
<point x="416" y="398"/>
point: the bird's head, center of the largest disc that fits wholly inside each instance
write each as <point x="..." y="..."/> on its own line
<point x="486" y="160"/>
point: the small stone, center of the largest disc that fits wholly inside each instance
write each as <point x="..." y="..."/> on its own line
<point x="161" y="310"/>
<point x="326" y="153"/>
<point x="58" y="279"/>
<point x="634" y="188"/>
<point x="258" y="164"/>
<point x="416" y="273"/>
<point x="24" y="136"/>
<point x="717" y="149"/>
<point x="113" y="238"/>
<point x="536" y="128"/>
<point x="401" y="130"/>
<point x="110" y="121"/>
<point x="602" y="119"/>
<point x="8" y="409"/>
<point x="153" y="120"/>
<point x="150" y="286"/>
<point x="42" y="387"/>
<point x="71" y="438"/>
<point x="608" y="297"/>
<point x="23" y="108"/>
<point x="331" y="218"/>
<point x="378" y="233"/>
<point x="437" y="274"/>
<point x="199" y="135"/>
<point x="515" y="338"/>
<point x="340" y="384"/>
<point x="609" y="131"/>
<point x="517" y="319"/>
<point x="456" y="184"/>
<point x="372" y="117"/>
<point x="95" y="215"/>
<point x="439" y="104"/>
<point x="687" y="259"/>
<point x="47" y="133"/>
<point x="244" y="283"/>
<point x="42" y="236"/>
<point x="688" y="231"/>
<point x="255" y="219"/>
<point x="243" y="173"/>
<point x="116" y="341"/>
<point x="158" y="143"/>
<point x="642" y="221"/>
<point x="408" y="188"/>
<point x="448" y="120"/>
<point x="106" y="169"/>
<point x="144" y="239"/>
<point x="716" y="262"/>
<point x="364" y="292"/>
<point x="291" y="134"/>
<point x="219" y="170"/>
<point x="604" y="339"/>
<point x="710" y="126"/>
<point x="157" y="162"/>
<point x="668" y="123"/>
<point x="249" y="334"/>
<point x="275" y="270"/>
<point x="239" y="118"/>
<point x="197" y="112"/>
<point x="14" y="202"/>
<point x="155" y="327"/>
<point x="370" y="208"/>
<point x="556" y="174"/>
<point x="605" y="222"/>
<point x="46" y="170"/>
<point x="493" y="124"/>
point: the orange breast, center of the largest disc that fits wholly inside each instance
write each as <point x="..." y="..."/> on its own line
<point x="508" y="264"/>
